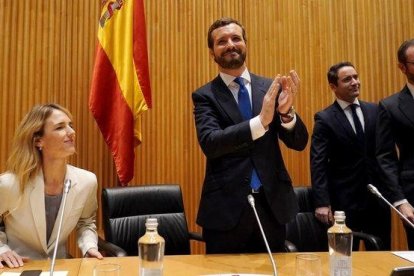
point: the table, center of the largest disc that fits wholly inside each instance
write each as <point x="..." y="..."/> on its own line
<point x="71" y="265"/>
<point x="363" y="263"/>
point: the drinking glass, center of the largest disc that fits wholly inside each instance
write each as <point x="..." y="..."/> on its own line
<point x="308" y="265"/>
<point x="106" y="270"/>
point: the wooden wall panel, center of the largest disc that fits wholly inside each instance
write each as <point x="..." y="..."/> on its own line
<point x="47" y="52"/>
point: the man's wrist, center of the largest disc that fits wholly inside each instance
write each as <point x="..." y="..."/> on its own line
<point x="256" y="127"/>
<point x="286" y="120"/>
<point x="399" y="202"/>
<point x="288" y="116"/>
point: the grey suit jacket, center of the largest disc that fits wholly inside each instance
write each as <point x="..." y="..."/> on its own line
<point x="231" y="153"/>
<point x="26" y="222"/>
<point x="395" y="127"/>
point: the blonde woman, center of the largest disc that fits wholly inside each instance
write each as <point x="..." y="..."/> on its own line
<point x="31" y="191"/>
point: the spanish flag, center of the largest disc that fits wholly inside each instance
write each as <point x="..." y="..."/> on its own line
<point x="120" y="90"/>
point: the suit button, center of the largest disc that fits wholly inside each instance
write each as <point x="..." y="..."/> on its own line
<point x="246" y="179"/>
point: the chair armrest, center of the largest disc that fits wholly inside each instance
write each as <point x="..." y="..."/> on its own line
<point x="372" y="243"/>
<point x="195" y="236"/>
<point x="290" y="247"/>
<point x="110" y="249"/>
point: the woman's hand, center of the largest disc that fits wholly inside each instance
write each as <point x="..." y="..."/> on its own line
<point x="93" y="252"/>
<point x="12" y="259"/>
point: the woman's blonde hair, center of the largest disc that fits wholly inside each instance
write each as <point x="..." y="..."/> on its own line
<point x="25" y="159"/>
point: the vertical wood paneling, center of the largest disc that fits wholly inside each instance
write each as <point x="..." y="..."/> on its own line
<point x="47" y="52"/>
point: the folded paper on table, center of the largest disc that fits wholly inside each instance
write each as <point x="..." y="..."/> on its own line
<point x="408" y="255"/>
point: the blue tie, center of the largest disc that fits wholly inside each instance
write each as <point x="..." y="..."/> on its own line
<point x="244" y="100"/>
<point x="246" y="111"/>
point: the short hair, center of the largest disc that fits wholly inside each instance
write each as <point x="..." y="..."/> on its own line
<point x="333" y="71"/>
<point x="402" y="51"/>
<point x="224" y="21"/>
<point x="25" y="159"/>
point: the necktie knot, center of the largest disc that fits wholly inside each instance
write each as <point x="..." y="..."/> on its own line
<point x="239" y="81"/>
<point x="353" y="107"/>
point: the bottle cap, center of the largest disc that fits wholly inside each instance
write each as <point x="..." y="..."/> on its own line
<point x="339" y="215"/>
<point x="151" y="223"/>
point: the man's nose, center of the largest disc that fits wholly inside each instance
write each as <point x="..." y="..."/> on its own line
<point x="230" y="43"/>
<point x="354" y="81"/>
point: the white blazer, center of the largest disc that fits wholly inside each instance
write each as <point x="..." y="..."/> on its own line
<point x="25" y="224"/>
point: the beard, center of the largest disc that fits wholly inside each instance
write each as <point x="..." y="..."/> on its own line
<point x="231" y="62"/>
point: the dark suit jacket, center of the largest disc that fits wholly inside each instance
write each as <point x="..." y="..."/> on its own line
<point x="395" y="127"/>
<point x="231" y="153"/>
<point x="341" y="167"/>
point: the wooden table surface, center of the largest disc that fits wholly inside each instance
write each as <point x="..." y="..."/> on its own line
<point x="363" y="263"/>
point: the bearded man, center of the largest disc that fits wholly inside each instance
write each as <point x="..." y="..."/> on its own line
<point x="240" y="118"/>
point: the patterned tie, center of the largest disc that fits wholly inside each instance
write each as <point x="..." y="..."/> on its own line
<point x="358" y="127"/>
<point x="246" y="111"/>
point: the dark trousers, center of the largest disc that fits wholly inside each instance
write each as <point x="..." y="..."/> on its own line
<point x="409" y="231"/>
<point x="375" y="219"/>
<point x="246" y="237"/>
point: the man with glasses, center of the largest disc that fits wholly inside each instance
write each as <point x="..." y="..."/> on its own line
<point x="395" y="140"/>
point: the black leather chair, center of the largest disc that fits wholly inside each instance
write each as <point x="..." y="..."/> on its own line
<point x="125" y="210"/>
<point x="310" y="235"/>
<point x="305" y="199"/>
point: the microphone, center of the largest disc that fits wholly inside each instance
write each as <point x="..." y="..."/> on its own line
<point x="66" y="186"/>
<point x="250" y="198"/>
<point x="375" y="191"/>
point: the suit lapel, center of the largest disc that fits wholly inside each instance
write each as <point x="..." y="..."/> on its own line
<point x="228" y="103"/>
<point x="37" y="205"/>
<point x="343" y="121"/>
<point x="258" y="93"/>
<point x="226" y="100"/>
<point x="406" y="104"/>
<point x="368" y="120"/>
<point x="70" y="201"/>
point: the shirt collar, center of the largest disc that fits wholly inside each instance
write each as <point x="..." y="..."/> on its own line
<point x="344" y="104"/>
<point x="411" y="88"/>
<point x="228" y="79"/>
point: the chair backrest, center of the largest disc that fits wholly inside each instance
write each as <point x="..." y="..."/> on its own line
<point x="125" y="210"/>
<point x="305" y="231"/>
<point x="305" y="199"/>
<point x="310" y="235"/>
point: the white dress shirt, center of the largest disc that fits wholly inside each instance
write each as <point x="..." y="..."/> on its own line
<point x="346" y="107"/>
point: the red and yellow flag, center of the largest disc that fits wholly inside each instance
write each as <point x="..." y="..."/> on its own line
<point x="120" y="90"/>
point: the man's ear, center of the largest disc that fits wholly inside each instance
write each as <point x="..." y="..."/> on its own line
<point x="333" y="87"/>
<point x="211" y="53"/>
<point x="402" y="67"/>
